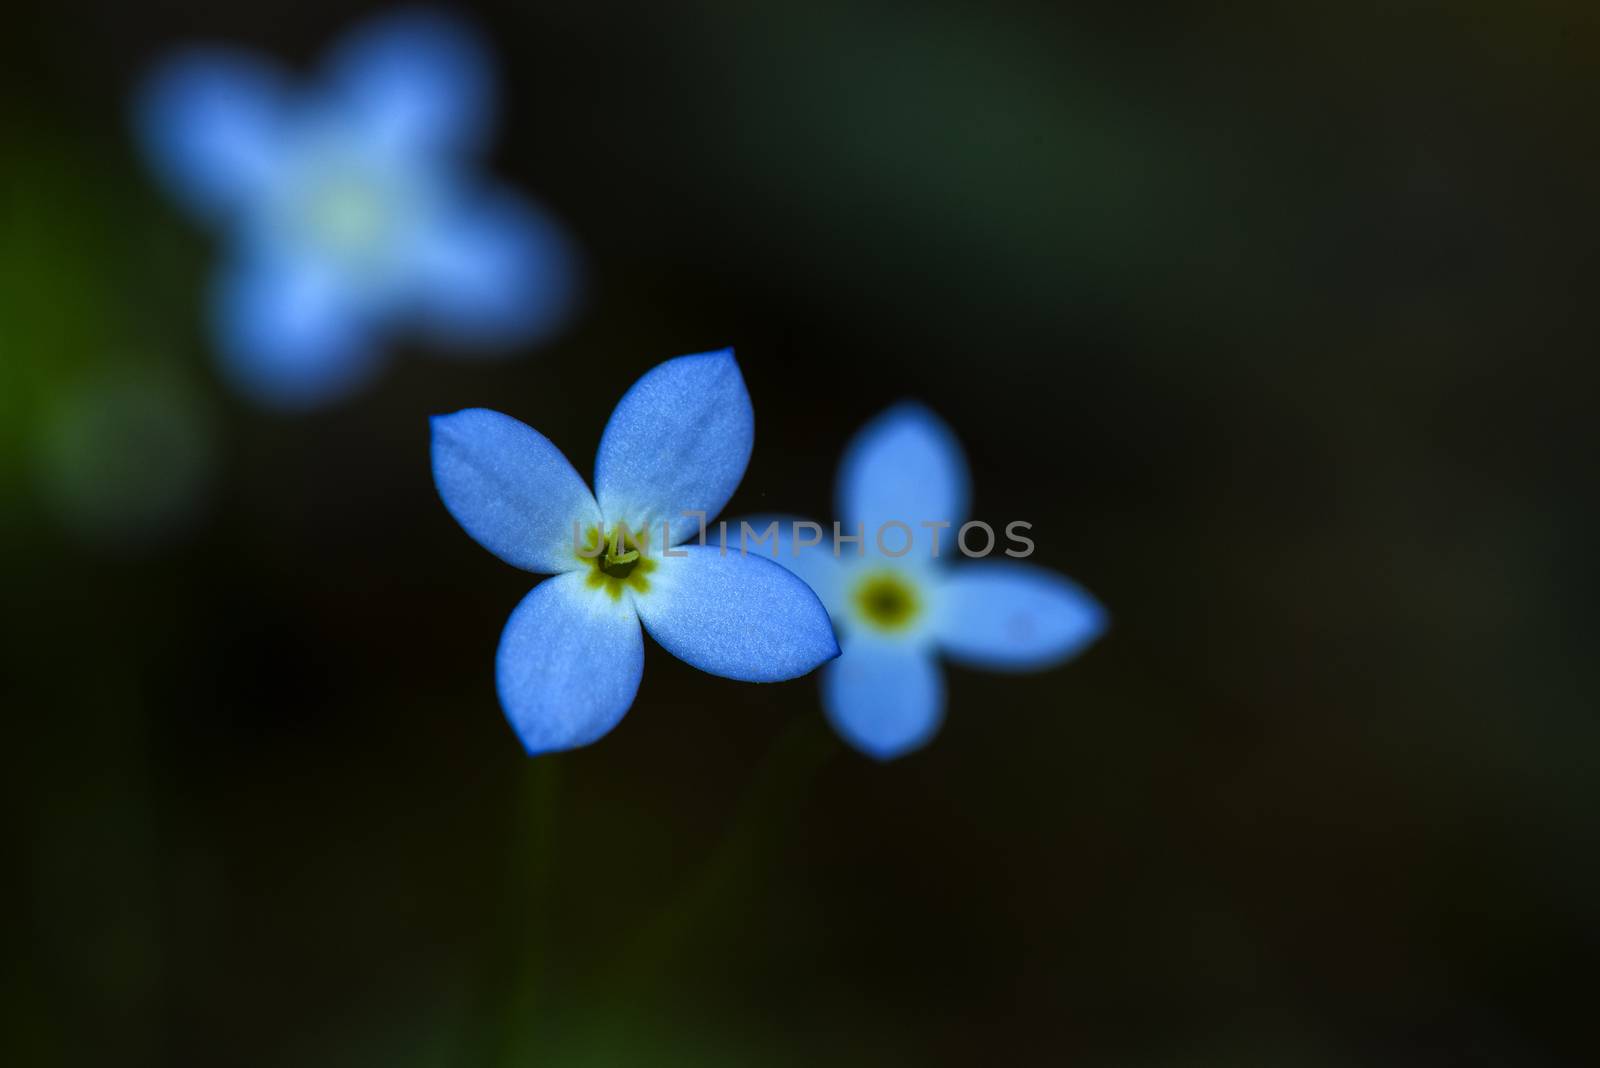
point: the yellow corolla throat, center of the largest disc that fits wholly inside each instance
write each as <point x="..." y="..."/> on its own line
<point x="886" y="601"/>
<point x="616" y="559"/>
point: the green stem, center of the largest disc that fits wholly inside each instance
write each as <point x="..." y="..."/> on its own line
<point x="526" y="913"/>
<point x="726" y="877"/>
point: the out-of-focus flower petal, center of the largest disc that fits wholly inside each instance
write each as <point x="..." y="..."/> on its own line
<point x="213" y="125"/>
<point x="678" y="441"/>
<point x="815" y="564"/>
<point x="884" y="698"/>
<point x="290" y="332"/>
<point x="493" y="272"/>
<point x="511" y="489"/>
<point x="905" y="466"/>
<point x="569" y="664"/>
<point x="740" y="617"/>
<point x="415" y="83"/>
<point x="1010" y="616"/>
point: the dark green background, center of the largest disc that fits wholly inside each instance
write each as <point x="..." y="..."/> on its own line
<point x="1276" y="320"/>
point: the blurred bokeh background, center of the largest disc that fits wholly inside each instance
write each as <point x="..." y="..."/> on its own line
<point x="1274" y="319"/>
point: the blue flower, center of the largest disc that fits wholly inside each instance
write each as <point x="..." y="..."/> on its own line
<point x="898" y="611"/>
<point x="572" y="654"/>
<point x="351" y="209"/>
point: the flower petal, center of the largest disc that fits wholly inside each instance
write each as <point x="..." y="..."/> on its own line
<point x="569" y="664"/>
<point x="415" y="83"/>
<point x="290" y="332"/>
<point x="884" y="698"/>
<point x="816" y="564"/>
<point x="906" y="467"/>
<point x="213" y="127"/>
<point x="1015" y="617"/>
<point x="511" y="489"/>
<point x="740" y="617"/>
<point x="678" y="441"/>
<point x="493" y="272"/>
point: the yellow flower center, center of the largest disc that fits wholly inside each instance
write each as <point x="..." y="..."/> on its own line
<point x="887" y="601"/>
<point x="618" y="559"/>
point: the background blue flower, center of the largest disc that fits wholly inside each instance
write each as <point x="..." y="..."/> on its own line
<point x="350" y="207"/>
<point x="572" y="653"/>
<point x="898" y="613"/>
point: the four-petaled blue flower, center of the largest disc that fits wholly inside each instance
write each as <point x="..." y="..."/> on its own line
<point x="885" y="694"/>
<point x="571" y="656"/>
<point x="351" y="209"/>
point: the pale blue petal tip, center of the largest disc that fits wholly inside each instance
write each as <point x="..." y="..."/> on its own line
<point x="211" y="125"/>
<point x="288" y="337"/>
<point x="568" y="666"/>
<point x="418" y="81"/>
<point x="498" y="273"/>
<point x="905" y="466"/>
<point x="739" y="617"/>
<point x="1015" y="616"/>
<point x="813" y="561"/>
<point x="884" y="700"/>
<point x="510" y="488"/>
<point x="678" y="441"/>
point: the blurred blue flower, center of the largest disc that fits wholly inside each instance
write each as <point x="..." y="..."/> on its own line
<point x="897" y="613"/>
<point x="572" y="654"/>
<point x="352" y="208"/>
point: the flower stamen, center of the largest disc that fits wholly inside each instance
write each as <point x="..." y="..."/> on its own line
<point x="618" y="560"/>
